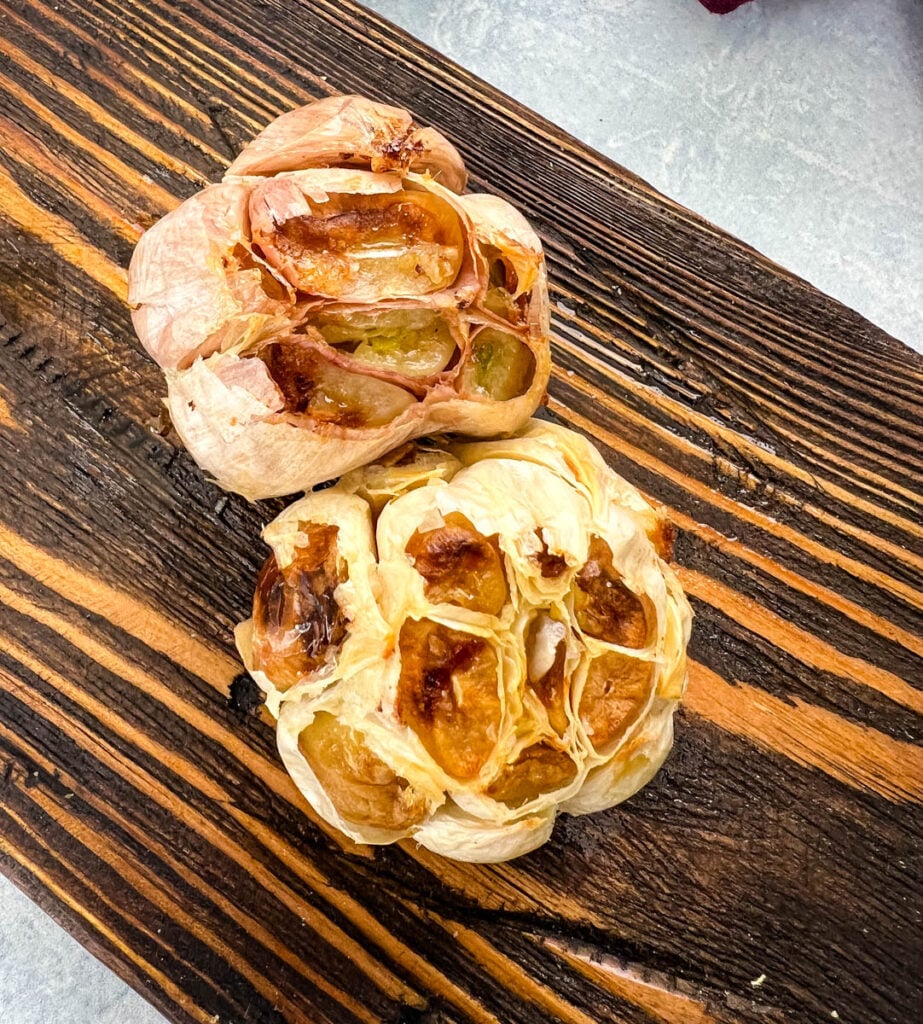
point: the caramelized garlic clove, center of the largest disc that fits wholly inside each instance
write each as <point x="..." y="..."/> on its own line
<point x="298" y="624"/>
<point x="551" y="566"/>
<point x="605" y="608"/>
<point x="460" y="566"/>
<point x="314" y="386"/>
<point x="363" y="788"/>
<point x="614" y="695"/>
<point x="448" y="693"/>
<point x="358" y="237"/>
<point x="539" y="769"/>
<point x="260" y="451"/>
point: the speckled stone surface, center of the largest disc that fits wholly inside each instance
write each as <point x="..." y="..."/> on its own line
<point x="795" y="124"/>
<point x="46" y="977"/>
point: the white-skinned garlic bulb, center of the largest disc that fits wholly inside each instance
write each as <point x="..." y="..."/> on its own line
<point x="465" y="639"/>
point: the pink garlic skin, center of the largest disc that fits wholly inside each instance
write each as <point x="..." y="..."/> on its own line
<point x="211" y="287"/>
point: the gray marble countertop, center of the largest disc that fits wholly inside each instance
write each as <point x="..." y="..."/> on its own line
<point x="796" y="125"/>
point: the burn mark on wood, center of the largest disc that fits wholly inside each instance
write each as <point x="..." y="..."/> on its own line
<point x="245" y="697"/>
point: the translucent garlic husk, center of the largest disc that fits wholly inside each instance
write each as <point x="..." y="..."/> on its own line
<point x="488" y="635"/>
<point x="335" y="296"/>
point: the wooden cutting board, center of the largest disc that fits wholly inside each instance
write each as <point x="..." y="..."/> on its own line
<point x="770" y="873"/>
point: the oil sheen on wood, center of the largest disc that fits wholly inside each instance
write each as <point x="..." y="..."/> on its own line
<point x="770" y="873"/>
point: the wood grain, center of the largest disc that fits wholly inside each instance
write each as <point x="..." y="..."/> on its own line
<point x="783" y="433"/>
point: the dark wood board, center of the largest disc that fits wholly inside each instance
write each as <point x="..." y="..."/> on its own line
<point x="770" y="873"/>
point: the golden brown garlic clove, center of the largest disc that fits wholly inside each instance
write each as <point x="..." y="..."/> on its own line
<point x="362" y="787"/>
<point x="605" y="607"/>
<point x="314" y="386"/>
<point x="297" y="622"/>
<point x="460" y="566"/>
<point x="358" y="237"/>
<point x="615" y="694"/>
<point x="448" y="694"/>
<point x="541" y="768"/>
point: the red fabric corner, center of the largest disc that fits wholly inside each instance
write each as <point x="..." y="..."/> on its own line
<point x="722" y="6"/>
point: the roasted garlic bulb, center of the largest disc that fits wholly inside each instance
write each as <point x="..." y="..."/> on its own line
<point x="463" y="640"/>
<point x="334" y="296"/>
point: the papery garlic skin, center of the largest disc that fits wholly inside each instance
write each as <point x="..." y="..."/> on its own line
<point x="342" y="131"/>
<point x="477" y="691"/>
<point x="195" y="283"/>
<point x="342" y="209"/>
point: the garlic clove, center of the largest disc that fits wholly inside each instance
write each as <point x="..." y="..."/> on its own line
<point x="449" y="694"/>
<point x="411" y="342"/>
<point x="500" y="366"/>
<point x="356" y="236"/>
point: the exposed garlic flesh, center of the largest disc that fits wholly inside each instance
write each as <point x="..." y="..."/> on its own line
<point x="386" y="305"/>
<point x="510" y="643"/>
